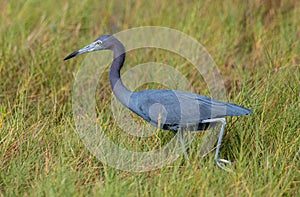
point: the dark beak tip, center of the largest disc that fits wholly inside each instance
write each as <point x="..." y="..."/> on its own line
<point x="71" y="55"/>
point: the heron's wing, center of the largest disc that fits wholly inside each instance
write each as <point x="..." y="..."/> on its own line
<point x="182" y="107"/>
<point x="150" y="104"/>
<point x="210" y="108"/>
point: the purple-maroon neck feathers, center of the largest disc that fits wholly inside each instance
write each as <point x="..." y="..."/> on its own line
<point x="120" y="91"/>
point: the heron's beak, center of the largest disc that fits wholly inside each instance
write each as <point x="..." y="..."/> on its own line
<point x="71" y="55"/>
<point x="86" y="49"/>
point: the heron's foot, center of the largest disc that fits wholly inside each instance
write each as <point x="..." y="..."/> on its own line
<point x="187" y="162"/>
<point x="186" y="159"/>
<point x="186" y="156"/>
<point x="222" y="164"/>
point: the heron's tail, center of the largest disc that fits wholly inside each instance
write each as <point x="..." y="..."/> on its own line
<point x="236" y="110"/>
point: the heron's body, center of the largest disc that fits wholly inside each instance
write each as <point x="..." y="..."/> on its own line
<point x="167" y="105"/>
<point x="168" y="109"/>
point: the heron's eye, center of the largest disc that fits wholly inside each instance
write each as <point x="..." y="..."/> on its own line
<point x="99" y="43"/>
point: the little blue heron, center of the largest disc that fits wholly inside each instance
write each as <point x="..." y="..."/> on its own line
<point x="168" y="109"/>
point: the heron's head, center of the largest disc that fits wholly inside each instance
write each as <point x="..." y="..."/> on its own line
<point x="101" y="43"/>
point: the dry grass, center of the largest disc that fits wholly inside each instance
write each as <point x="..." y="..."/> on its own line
<point x="255" y="45"/>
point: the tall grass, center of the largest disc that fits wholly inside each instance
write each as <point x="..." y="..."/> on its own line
<point x="254" y="43"/>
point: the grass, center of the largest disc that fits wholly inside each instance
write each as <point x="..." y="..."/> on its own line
<point x="255" y="45"/>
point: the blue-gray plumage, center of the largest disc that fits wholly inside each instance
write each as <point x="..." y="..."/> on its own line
<point x="176" y="118"/>
<point x="169" y="109"/>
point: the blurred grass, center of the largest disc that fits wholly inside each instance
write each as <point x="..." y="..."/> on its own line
<point x="254" y="43"/>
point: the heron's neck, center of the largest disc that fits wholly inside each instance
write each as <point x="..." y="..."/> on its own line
<point x="118" y="88"/>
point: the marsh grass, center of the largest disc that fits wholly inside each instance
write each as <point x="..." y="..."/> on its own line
<point x="255" y="45"/>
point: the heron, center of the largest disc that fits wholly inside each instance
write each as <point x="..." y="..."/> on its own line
<point x="172" y="110"/>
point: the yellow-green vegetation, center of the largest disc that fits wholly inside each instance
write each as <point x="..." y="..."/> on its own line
<point x="255" y="44"/>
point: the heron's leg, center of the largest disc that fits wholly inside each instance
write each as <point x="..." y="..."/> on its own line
<point x="220" y="162"/>
<point x="181" y="142"/>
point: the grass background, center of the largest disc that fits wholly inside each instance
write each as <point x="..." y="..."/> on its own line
<point x="254" y="43"/>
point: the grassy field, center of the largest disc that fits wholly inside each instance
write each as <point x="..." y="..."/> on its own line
<point x="255" y="45"/>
